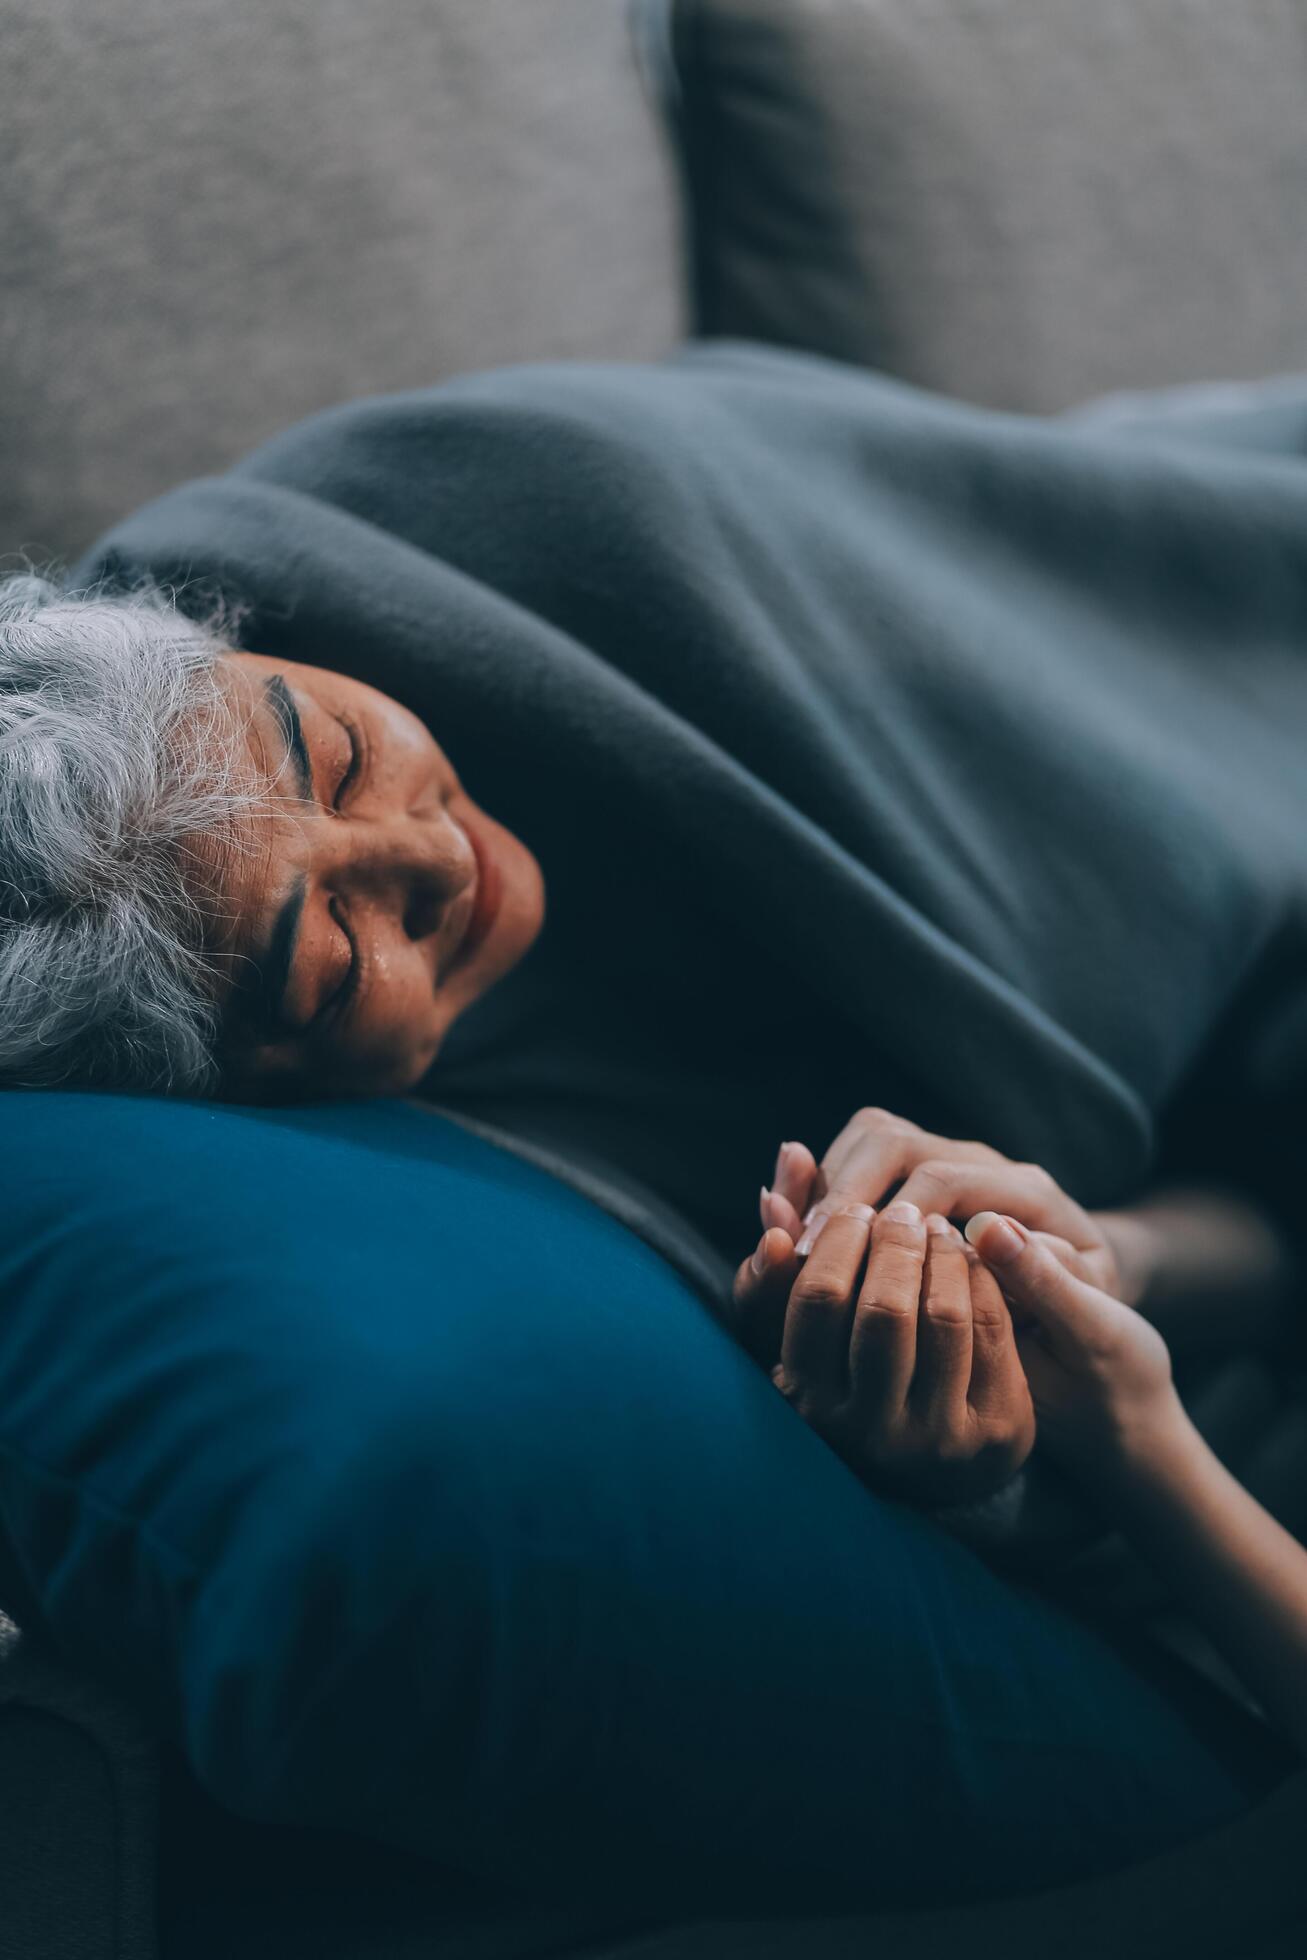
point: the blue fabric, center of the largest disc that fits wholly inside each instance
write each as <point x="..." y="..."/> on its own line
<point x="413" y="1495"/>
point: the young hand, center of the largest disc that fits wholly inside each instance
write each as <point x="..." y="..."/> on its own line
<point x="896" y="1346"/>
<point x="1099" y="1373"/>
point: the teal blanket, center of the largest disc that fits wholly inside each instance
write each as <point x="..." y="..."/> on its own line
<point x="877" y="749"/>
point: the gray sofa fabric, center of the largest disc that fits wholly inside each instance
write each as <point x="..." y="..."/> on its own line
<point x="220" y="215"/>
<point x="78" y="1815"/>
<point x="1022" y="202"/>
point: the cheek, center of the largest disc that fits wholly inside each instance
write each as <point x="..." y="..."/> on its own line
<point x="401" y="1011"/>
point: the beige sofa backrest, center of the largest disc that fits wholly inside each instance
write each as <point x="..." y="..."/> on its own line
<point x="220" y="215"/>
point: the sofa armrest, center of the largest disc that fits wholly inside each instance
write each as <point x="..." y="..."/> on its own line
<point x="78" y="1815"/>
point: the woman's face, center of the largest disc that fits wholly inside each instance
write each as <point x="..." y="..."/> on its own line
<point x="367" y="904"/>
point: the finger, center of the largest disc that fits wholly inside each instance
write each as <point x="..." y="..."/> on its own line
<point x="761" y="1294"/>
<point x="865" y="1159"/>
<point x="878" y="1129"/>
<point x="1074" y="1318"/>
<point x="1060" y="1248"/>
<point x="943" y="1376"/>
<point x="796" y="1168"/>
<point x="958" y="1188"/>
<point x="1094" y="1264"/>
<point x="883" y="1343"/>
<point x="863" y="1173"/>
<point x="815" y="1339"/>
<point x="813" y="1221"/>
<point x="997" y="1377"/>
<point x="774" y="1208"/>
<point x="876" y="1150"/>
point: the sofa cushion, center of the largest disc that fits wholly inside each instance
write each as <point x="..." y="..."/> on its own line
<point x="1023" y="202"/>
<point x="410" y="1494"/>
<point x="223" y="214"/>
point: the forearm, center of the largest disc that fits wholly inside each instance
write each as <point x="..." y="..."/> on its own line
<point x="1207" y="1266"/>
<point x="1240" y="1574"/>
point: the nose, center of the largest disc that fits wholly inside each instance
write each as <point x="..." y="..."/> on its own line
<point x="413" y="866"/>
<point x="424" y="910"/>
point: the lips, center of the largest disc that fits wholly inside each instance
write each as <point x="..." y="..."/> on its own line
<point x="486" y="902"/>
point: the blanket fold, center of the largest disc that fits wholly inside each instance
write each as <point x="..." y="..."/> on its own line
<point x="877" y="749"/>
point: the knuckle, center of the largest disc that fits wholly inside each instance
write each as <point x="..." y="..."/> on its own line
<point x="899" y="1236"/>
<point x="949" y="1315"/>
<point x="879" y="1311"/>
<point x="875" y="1118"/>
<point x="989" y="1317"/>
<point x="951" y="1445"/>
<point x="998" y="1427"/>
<point x="820" y="1295"/>
<point x="935" y="1174"/>
<point x="1004" y="1455"/>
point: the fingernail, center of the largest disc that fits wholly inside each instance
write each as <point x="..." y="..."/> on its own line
<point x="903" y="1212"/>
<point x="1002" y="1239"/>
<point x="938" y="1226"/>
<point x="782" y="1162"/>
<point x="857" y="1211"/>
<point x="775" y="1211"/>
<point x="758" y="1263"/>
<point x="764" y="1192"/>
<point x="813" y="1232"/>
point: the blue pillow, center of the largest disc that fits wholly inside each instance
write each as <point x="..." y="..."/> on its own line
<point x="410" y="1494"/>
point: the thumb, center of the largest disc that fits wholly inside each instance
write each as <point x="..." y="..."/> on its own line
<point x="1073" y="1317"/>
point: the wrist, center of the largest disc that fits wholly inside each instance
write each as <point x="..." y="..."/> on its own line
<point x="1137" y="1248"/>
<point x="1150" y="1442"/>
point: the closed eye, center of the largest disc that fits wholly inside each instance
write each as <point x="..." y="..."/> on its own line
<point x="353" y="766"/>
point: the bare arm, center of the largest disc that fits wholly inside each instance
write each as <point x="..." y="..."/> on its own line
<point x="1206" y="1266"/>
<point x="1105" y="1404"/>
<point x="1242" y="1575"/>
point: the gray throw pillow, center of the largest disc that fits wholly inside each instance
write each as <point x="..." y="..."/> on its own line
<point x="1022" y="202"/>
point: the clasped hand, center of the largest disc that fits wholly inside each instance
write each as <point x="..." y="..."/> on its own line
<point x="894" y="1337"/>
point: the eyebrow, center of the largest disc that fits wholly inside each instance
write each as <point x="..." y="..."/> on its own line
<point x="273" y="966"/>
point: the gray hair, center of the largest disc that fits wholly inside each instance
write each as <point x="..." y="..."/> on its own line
<point x="119" y="747"/>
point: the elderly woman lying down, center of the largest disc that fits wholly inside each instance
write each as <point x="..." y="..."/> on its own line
<point x="862" y="743"/>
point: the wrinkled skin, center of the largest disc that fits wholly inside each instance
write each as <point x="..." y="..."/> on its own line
<point x="384" y="845"/>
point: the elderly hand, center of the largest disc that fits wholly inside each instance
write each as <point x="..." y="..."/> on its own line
<point x="896" y="1346"/>
<point x="876" y="1152"/>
